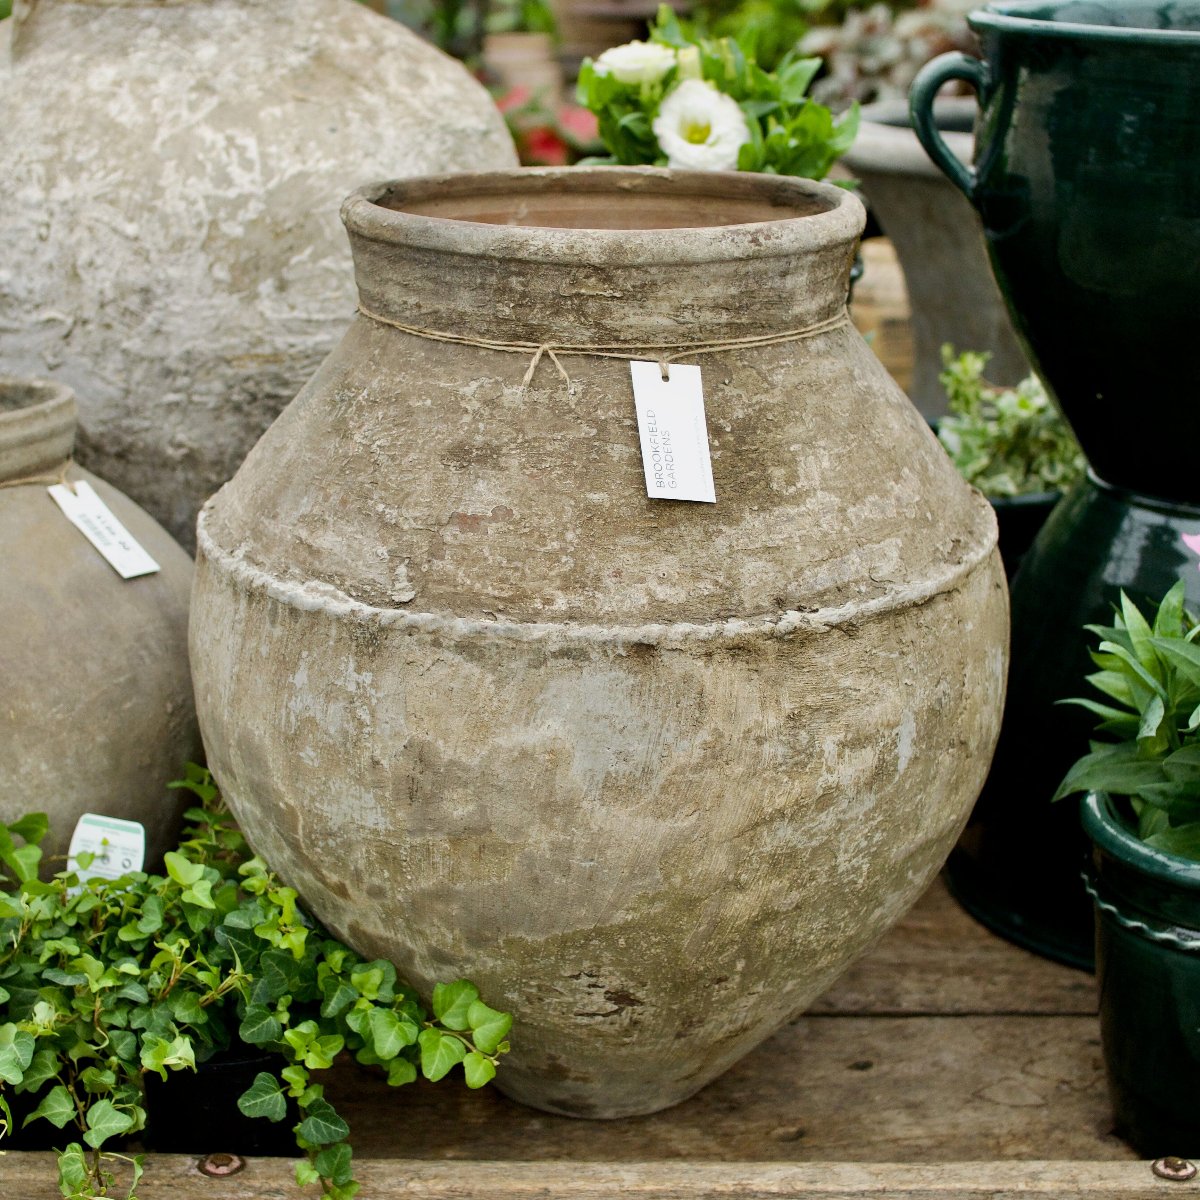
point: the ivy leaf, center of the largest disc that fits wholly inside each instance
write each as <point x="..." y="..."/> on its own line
<point x="260" y="1026"/>
<point x="73" y="1175"/>
<point x="264" y="1098"/>
<point x="32" y="827"/>
<point x="390" y="1032"/>
<point x="334" y="1164"/>
<point x="339" y="995"/>
<point x="400" y="1072"/>
<point x="439" y="1053"/>
<point x="321" y="1125"/>
<point x="451" y="1001"/>
<point x="321" y="1051"/>
<point x="488" y="1027"/>
<point x="478" y="1069"/>
<point x="57" y="1107"/>
<point x="186" y="874"/>
<point x="105" y="1121"/>
<point x="306" y="1173"/>
<point x="16" y="1052"/>
<point x="42" y="1067"/>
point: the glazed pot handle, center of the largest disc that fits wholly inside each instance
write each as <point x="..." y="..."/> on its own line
<point x="920" y="106"/>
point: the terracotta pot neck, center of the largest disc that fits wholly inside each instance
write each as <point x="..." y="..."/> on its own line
<point x="37" y="427"/>
<point x="604" y="257"/>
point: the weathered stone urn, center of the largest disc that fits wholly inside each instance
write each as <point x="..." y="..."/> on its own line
<point x="651" y="773"/>
<point x="95" y="695"/>
<point x="172" y="173"/>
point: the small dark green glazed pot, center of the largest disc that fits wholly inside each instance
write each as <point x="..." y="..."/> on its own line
<point x="1087" y="179"/>
<point x="1148" y="969"/>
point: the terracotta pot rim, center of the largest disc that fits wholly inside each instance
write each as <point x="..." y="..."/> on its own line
<point x="1110" y="835"/>
<point x="43" y="394"/>
<point x="839" y="220"/>
<point x="1017" y="17"/>
<point x="38" y="431"/>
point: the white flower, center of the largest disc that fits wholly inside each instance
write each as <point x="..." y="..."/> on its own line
<point x="636" y="62"/>
<point x="700" y="129"/>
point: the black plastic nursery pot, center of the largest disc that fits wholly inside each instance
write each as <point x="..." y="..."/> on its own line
<point x="1148" y="971"/>
<point x="197" y="1113"/>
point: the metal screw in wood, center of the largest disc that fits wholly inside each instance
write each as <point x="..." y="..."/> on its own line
<point x="1178" y="1169"/>
<point x="218" y="1166"/>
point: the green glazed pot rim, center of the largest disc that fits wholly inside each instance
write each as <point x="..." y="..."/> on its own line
<point x="1018" y="16"/>
<point x="1110" y="834"/>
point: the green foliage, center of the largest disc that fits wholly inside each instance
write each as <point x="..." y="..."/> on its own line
<point x="766" y="30"/>
<point x="1005" y="441"/>
<point x="1149" y="675"/>
<point x="519" y="16"/>
<point x="790" y="133"/>
<point x="5" y="8"/>
<point x="103" y="981"/>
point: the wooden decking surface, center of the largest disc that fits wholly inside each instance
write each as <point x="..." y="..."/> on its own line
<point x="947" y="1064"/>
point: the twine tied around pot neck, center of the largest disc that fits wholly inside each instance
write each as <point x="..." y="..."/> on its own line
<point x="665" y="353"/>
<point x="49" y="480"/>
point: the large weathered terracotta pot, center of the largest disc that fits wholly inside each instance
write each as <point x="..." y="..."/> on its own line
<point x="651" y="773"/>
<point x="171" y="242"/>
<point x="95" y="696"/>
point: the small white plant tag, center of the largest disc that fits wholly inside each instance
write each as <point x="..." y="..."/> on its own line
<point x="94" y="519"/>
<point x="119" y="847"/>
<point x="673" y="431"/>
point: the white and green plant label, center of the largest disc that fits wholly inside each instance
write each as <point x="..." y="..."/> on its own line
<point x="117" y="847"/>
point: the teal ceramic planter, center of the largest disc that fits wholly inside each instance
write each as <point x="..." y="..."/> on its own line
<point x="1148" y="970"/>
<point x="1087" y="179"/>
<point x="1086" y="175"/>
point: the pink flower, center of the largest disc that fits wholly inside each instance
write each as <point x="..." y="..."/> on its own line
<point x="1192" y="542"/>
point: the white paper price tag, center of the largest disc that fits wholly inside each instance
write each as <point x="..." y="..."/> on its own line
<point x="94" y="519"/>
<point x="673" y="431"/>
<point x="119" y="846"/>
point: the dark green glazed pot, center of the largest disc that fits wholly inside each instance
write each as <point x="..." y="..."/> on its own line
<point x="1087" y="179"/>
<point x="1098" y="541"/>
<point x="1148" y="970"/>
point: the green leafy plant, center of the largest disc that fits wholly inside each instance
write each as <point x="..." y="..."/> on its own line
<point x="1150" y="675"/>
<point x="766" y="30"/>
<point x="1005" y="441"/>
<point x="104" y="981"/>
<point x="702" y="103"/>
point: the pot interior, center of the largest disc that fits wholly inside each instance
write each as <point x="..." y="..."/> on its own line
<point x="19" y="393"/>
<point x="622" y="201"/>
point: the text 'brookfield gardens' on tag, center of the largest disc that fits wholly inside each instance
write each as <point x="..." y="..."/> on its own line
<point x="673" y="432"/>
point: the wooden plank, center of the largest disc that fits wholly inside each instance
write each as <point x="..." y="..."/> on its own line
<point x="30" y="1177"/>
<point x="871" y="1089"/>
<point x="939" y="960"/>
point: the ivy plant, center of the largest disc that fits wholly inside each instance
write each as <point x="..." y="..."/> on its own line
<point x="1149" y="674"/>
<point x="104" y="981"/>
<point x="1005" y="441"/>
